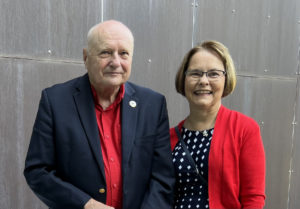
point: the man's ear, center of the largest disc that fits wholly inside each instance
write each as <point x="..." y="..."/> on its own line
<point x="84" y="55"/>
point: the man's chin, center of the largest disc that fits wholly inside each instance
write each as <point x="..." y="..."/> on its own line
<point x="114" y="82"/>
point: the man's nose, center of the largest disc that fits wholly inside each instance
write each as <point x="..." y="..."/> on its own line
<point x="115" y="60"/>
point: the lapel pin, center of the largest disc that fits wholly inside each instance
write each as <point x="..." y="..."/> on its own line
<point x="132" y="103"/>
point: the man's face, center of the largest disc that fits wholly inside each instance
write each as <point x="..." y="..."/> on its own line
<point x="109" y="57"/>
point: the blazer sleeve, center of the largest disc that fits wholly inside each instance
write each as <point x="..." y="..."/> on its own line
<point x="162" y="183"/>
<point x="252" y="168"/>
<point x="40" y="164"/>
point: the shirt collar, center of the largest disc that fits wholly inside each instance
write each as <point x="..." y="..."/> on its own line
<point x="117" y="101"/>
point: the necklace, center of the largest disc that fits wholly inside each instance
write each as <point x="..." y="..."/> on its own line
<point x="199" y="126"/>
<point x="205" y="133"/>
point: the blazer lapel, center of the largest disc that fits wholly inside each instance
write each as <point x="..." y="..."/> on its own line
<point x="130" y="107"/>
<point x="86" y="109"/>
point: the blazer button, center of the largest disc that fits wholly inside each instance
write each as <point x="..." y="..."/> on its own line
<point x="102" y="190"/>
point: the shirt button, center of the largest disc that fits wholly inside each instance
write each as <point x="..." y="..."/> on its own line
<point x="102" y="190"/>
<point x="115" y="186"/>
<point x="112" y="159"/>
<point x="106" y="137"/>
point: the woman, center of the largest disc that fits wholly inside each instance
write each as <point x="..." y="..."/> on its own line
<point x="217" y="153"/>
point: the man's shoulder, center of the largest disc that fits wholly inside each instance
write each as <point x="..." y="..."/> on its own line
<point x="67" y="85"/>
<point x="141" y="90"/>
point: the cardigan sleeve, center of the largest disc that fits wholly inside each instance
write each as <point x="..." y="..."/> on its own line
<point x="252" y="167"/>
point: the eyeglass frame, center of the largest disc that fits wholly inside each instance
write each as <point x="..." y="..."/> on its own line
<point x="201" y="73"/>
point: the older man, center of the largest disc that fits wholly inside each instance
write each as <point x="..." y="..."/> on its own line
<point x="99" y="141"/>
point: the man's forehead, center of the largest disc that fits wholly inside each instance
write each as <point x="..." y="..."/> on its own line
<point x="117" y="33"/>
<point x="113" y="28"/>
<point x="111" y="44"/>
<point x="111" y="33"/>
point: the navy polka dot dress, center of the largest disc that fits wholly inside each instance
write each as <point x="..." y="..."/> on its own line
<point x="190" y="192"/>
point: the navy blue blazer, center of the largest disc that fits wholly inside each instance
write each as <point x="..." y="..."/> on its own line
<point x="64" y="165"/>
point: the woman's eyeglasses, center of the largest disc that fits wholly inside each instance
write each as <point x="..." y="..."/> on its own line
<point x="212" y="75"/>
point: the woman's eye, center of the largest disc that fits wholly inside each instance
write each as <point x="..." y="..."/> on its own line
<point x="213" y="74"/>
<point x="195" y="74"/>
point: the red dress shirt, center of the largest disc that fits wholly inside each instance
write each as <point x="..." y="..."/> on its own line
<point x="109" y="125"/>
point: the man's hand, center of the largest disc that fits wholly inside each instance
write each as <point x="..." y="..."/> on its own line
<point x="93" y="204"/>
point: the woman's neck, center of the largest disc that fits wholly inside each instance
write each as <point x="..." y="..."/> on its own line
<point x="200" y="120"/>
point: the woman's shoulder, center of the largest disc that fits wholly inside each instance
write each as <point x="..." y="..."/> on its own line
<point x="238" y="118"/>
<point x="240" y="125"/>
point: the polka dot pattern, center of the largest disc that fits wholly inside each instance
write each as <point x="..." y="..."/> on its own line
<point x="190" y="191"/>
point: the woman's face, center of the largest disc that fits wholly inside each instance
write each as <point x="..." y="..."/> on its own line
<point x="203" y="92"/>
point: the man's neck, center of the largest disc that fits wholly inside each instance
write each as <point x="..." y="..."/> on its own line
<point x="107" y="95"/>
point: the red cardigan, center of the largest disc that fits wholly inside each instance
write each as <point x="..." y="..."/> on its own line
<point x="236" y="171"/>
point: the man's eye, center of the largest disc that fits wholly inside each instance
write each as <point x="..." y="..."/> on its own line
<point x="104" y="54"/>
<point x="124" y="54"/>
